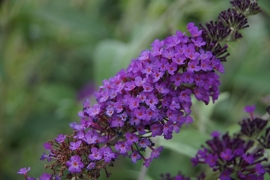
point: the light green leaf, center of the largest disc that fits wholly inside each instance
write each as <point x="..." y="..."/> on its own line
<point x="56" y="93"/>
<point x="110" y="57"/>
<point x="179" y="147"/>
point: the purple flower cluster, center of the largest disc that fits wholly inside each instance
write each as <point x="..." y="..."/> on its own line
<point x="237" y="156"/>
<point x="152" y="97"/>
<point x="225" y="154"/>
<point x="252" y="127"/>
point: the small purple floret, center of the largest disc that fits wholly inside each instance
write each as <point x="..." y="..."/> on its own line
<point x="24" y="171"/>
<point x="60" y="138"/>
<point x="75" y="164"/>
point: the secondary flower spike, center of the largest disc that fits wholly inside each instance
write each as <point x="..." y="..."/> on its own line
<point x="242" y="155"/>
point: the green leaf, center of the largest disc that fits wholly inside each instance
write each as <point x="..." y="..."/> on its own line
<point x="187" y="142"/>
<point x="179" y="147"/>
<point x="110" y="57"/>
<point x="259" y="81"/>
<point x="56" y="93"/>
<point x="137" y="173"/>
<point x="265" y="6"/>
<point x="207" y="111"/>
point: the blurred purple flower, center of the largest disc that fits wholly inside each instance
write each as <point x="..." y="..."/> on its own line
<point x="250" y="108"/>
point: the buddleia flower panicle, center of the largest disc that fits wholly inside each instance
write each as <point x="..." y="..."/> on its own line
<point x="152" y="97"/>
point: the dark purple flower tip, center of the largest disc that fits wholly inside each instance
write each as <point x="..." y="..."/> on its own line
<point x="248" y="7"/>
<point x="237" y="20"/>
<point x="249" y="127"/>
<point x="24" y="171"/>
<point x="215" y="134"/>
<point x="250" y="109"/>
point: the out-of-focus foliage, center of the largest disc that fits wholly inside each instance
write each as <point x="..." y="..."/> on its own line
<point x="49" y="50"/>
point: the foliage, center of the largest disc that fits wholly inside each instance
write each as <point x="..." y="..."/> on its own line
<point x="50" y="49"/>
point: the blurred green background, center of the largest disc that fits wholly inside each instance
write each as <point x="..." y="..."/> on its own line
<point x="53" y="54"/>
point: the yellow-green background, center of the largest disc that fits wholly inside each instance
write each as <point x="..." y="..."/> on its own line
<point x="49" y="49"/>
